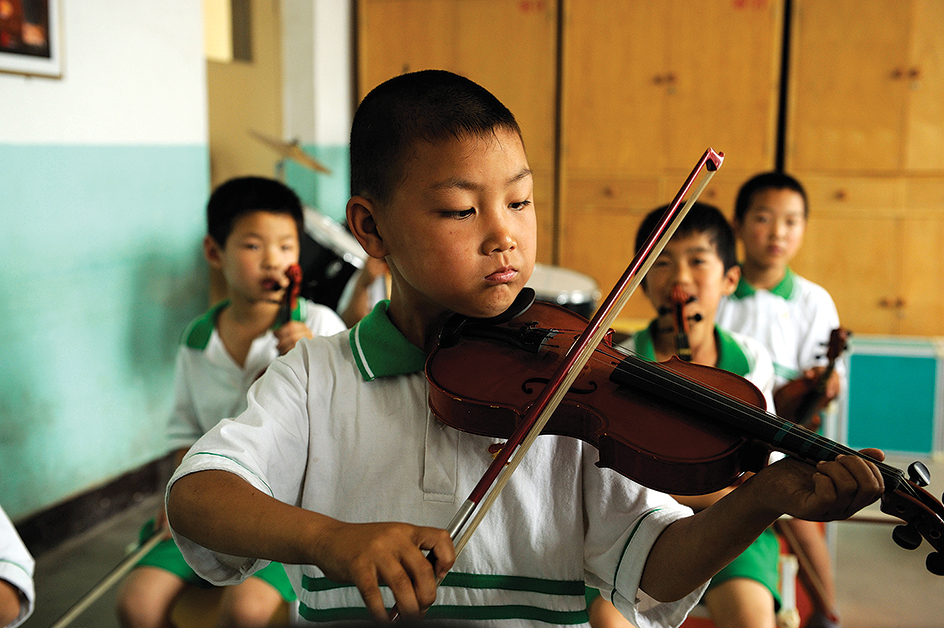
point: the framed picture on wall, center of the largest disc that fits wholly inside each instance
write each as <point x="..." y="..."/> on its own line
<point x="30" y="38"/>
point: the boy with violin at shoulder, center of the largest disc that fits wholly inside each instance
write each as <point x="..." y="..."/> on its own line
<point x="698" y="268"/>
<point x="793" y="318"/>
<point x="338" y="470"/>
<point x="789" y="314"/>
<point x="253" y="227"/>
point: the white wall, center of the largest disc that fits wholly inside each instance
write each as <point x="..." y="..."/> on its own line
<point x="318" y="96"/>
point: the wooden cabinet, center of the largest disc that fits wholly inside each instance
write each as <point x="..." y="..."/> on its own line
<point x="877" y="245"/>
<point x="507" y="46"/>
<point x="867" y="79"/>
<point x="642" y="88"/>
<point x="647" y="87"/>
<point x="865" y="134"/>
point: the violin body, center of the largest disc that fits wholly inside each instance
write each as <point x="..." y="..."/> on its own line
<point x="485" y="385"/>
<point x="676" y="427"/>
<point x="801" y="400"/>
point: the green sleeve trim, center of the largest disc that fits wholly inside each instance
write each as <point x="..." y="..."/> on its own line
<point x="629" y="540"/>
<point x="237" y="463"/>
<point x="18" y="565"/>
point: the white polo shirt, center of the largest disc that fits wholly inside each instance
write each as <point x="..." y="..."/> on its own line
<point x="16" y="567"/>
<point x="341" y="426"/>
<point x="209" y="385"/>
<point x="793" y="321"/>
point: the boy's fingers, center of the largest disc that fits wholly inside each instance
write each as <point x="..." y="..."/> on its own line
<point x="438" y="542"/>
<point x="370" y="592"/>
<point x="855" y="481"/>
<point x="402" y="587"/>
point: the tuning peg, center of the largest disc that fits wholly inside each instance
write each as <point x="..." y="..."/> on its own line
<point x="907" y="536"/>
<point x="919" y="474"/>
<point x="935" y="563"/>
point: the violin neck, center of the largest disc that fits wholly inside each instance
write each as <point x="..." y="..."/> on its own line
<point x="744" y="418"/>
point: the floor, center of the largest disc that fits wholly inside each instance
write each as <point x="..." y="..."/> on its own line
<point x="879" y="584"/>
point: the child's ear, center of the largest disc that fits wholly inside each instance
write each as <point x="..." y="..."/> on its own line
<point x="731" y="278"/>
<point x="360" y="219"/>
<point x="212" y="252"/>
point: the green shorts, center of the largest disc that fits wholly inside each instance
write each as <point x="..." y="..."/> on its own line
<point x="167" y="556"/>
<point x="760" y="562"/>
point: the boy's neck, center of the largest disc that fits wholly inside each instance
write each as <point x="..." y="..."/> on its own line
<point x="239" y="323"/>
<point x="762" y="277"/>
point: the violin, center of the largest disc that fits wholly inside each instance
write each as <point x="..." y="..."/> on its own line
<point x="674" y="426"/>
<point x="802" y="399"/>
<point x="680" y="322"/>
<point x="290" y="299"/>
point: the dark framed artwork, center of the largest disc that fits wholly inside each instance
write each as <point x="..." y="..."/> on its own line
<point x="30" y="41"/>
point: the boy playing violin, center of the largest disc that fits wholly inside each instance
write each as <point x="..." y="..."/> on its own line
<point x="695" y="271"/>
<point x="253" y="227"/>
<point x="793" y="318"/>
<point x="338" y="470"/>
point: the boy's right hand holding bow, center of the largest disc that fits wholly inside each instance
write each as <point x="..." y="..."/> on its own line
<point x="219" y="510"/>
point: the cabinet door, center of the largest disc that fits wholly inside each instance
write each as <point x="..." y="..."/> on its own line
<point x="921" y="288"/>
<point x="646" y="88"/>
<point x="507" y="46"/>
<point x="649" y="85"/>
<point x="853" y="246"/>
<point x="925" y="122"/>
<point x="867" y="78"/>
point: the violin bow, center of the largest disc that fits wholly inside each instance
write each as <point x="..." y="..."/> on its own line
<point x="498" y="474"/>
<point x="128" y="563"/>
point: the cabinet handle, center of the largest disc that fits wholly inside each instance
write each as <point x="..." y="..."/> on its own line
<point x="898" y="303"/>
<point x="897" y="74"/>
<point x="914" y="73"/>
<point x="840" y="195"/>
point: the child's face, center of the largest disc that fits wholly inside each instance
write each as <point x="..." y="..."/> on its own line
<point x="691" y="262"/>
<point x="261" y="246"/>
<point x="459" y="233"/>
<point x="772" y="228"/>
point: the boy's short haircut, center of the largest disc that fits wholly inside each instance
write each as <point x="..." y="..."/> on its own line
<point x="767" y="181"/>
<point x="429" y="105"/>
<point x="244" y="195"/>
<point x="701" y="218"/>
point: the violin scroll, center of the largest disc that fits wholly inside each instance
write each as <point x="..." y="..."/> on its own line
<point x="923" y="516"/>
<point x="290" y="300"/>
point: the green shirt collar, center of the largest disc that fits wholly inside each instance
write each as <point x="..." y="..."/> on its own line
<point x="197" y="335"/>
<point x="783" y="289"/>
<point x="731" y="357"/>
<point x="380" y="350"/>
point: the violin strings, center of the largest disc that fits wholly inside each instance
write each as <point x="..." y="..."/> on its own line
<point x="668" y="379"/>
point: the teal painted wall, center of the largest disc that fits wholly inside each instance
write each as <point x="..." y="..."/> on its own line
<point x="328" y="193"/>
<point x="102" y="270"/>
